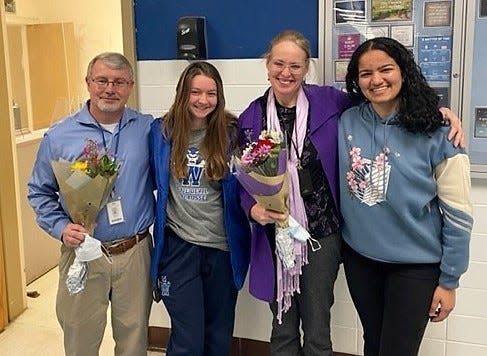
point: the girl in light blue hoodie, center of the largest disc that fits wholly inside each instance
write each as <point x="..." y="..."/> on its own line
<point x="405" y="200"/>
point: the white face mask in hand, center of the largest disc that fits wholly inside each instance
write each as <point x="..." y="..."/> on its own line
<point x="89" y="249"/>
<point x="301" y="234"/>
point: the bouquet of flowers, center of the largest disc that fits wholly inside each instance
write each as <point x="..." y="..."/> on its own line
<point x="85" y="186"/>
<point x="261" y="170"/>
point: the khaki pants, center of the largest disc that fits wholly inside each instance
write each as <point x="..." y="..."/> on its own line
<point x="125" y="285"/>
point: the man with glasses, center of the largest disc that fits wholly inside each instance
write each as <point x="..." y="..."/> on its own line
<point x="122" y="280"/>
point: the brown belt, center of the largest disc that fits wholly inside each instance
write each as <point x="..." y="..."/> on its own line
<point x="117" y="247"/>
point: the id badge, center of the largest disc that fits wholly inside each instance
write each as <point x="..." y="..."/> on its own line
<point x="115" y="212"/>
<point x="305" y="182"/>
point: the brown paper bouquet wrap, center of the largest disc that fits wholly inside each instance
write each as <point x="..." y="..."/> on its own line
<point x="277" y="201"/>
<point x="84" y="187"/>
<point x="83" y="196"/>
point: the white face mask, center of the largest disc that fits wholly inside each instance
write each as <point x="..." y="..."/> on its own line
<point x="301" y="234"/>
<point x="89" y="249"/>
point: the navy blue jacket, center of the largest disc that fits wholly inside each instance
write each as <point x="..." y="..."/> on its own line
<point x="237" y="227"/>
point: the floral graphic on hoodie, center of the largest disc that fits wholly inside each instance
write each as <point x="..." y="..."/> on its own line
<point x="368" y="179"/>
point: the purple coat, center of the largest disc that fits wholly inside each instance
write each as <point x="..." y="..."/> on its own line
<point x="325" y="106"/>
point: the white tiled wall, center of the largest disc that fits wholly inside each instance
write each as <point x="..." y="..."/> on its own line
<point x="243" y="81"/>
<point x="465" y="331"/>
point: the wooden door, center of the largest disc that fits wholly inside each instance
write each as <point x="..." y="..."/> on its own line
<point x="52" y="69"/>
<point x="41" y="251"/>
<point x="12" y="282"/>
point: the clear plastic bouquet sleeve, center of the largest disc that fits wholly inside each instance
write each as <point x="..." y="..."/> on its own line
<point x="83" y="197"/>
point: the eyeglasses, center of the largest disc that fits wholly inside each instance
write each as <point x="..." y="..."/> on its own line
<point x="294" y="68"/>
<point x="118" y="83"/>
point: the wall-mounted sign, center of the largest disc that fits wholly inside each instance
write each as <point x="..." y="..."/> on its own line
<point x="437" y="13"/>
<point x="349" y="11"/>
<point x="480" y="123"/>
<point x="403" y="34"/>
<point x="434" y="57"/>
<point x="376" y="31"/>
<point x="340" y="70"/>
<point x="347" y="44"/>
<point x="392" y="10"/>
<point x="483" y="8"/>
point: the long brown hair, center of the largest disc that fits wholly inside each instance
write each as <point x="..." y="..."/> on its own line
<point x="177" y="126"/>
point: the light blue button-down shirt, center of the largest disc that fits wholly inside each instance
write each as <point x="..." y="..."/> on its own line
<point x="65" y="140"/>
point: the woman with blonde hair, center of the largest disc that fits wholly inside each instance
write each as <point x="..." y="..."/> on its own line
<point x="307" y="115"/>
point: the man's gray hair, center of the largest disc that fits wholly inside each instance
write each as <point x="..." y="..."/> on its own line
<point x="113" y="60"/>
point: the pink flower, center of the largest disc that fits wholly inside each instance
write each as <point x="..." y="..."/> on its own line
<point x="262" y="156"/>
<point x="355" y="151"/>
<point x="262" y="150"/>
<point x="247" y="159"/>
<point x="381" y="159"/>
<point x="357" y="163"/>
<point x="352" y="184"/>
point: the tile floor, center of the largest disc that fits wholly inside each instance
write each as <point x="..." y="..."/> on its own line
<point x="37" y="332"/>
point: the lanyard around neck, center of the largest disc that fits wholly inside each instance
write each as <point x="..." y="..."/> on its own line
<point x="291" y="137"/>
<point x="295" y="146"/>
<point x="117" y="139"/>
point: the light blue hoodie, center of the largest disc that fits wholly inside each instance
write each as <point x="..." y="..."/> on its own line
<point x="424" y="218"/>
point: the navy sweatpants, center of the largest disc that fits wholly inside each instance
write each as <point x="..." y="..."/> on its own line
<point x="200" y="296"/>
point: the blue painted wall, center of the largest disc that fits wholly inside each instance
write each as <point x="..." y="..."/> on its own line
<point x="235" y="28"/>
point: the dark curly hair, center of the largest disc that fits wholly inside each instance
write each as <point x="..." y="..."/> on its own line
<point x="418" y="104"/>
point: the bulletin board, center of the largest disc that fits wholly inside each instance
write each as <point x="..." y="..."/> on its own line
<point x="476" y="87"/>
<point x="425" y="27"/>
<point x="235" y="29"/>
<point x="447" y="38"/>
